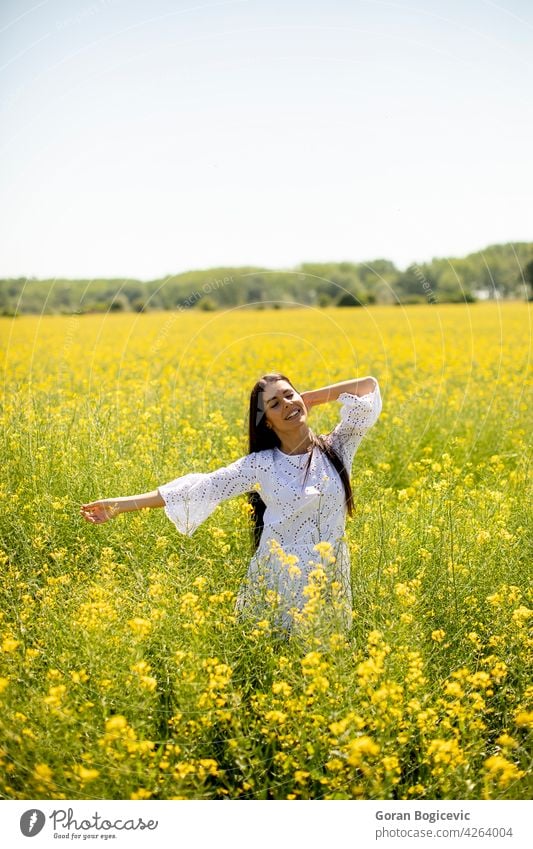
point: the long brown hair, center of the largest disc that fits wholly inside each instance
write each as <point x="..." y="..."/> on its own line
<point x="261" y="438"/>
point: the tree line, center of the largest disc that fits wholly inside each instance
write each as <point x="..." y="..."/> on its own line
<point x="498" y="272"/>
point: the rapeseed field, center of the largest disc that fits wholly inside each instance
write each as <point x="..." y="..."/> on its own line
<point x="125" y="673"/>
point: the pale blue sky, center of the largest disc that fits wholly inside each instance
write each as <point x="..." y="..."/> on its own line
<point x="147" y="137"/>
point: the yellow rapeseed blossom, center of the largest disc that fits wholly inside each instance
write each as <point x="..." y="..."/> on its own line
<point x="506" y="741"/>
<point x="116" y="723"/>
<point x="325" y="550"/>
<point x="445" y="754"/>
<point x="85" y="774"/>
<point x="523" y="718"/>
<point x="502" y="771"/>
<point x="141" y="793"/>
<point x="141" y="627"/>
<point x="43" y="774"/>
<point x="360" y="749"/>
<point x="276" y="716"/>
<point x="521" y="615"/>
<point x="281" y="688"/>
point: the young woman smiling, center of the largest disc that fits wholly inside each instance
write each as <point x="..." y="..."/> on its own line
<point x="298" y="486"/>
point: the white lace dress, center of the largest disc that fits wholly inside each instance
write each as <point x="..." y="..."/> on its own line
<point x="299" y="513"/>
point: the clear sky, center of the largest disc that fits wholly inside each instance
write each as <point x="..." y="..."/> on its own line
<point x="146" y="137"/>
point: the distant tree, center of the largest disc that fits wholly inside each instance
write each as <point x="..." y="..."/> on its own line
<point x="207" y="304"/>
<point x="140" y="305"/>
<point x="97" y="306"/>
<point x="371" y="272"/>
<point x="348" y="299"/>
<point x="120" y="303"/>
<point x="414" y="283"/>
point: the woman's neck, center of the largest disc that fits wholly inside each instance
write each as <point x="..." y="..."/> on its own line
<point x="300" y="442"/>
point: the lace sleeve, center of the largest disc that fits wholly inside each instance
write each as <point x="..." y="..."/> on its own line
<point x="358" y="414"/>
<point x="189" y="500"/>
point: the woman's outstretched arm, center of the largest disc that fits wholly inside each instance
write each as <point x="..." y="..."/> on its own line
<point x="330" y="393"/>
<point x="107" y="508"/>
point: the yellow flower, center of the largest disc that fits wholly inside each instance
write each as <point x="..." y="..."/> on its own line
<point x="475" y="639"/>
<point x="43" y="774"/>
<point x="524" y="718"/>
<point x="454" y="689"/>
<point x="325" y="550"/>
<point x="31" y="653"/>
<point x="55" y="696"/>
<point x="79" y="677"/>
<point x="85" y="774"/>
<point x="507" y="741"/>
<point x="207" y="766"/>
<point x="438" y="635"/>
<point x="281" y="688"/>
<point x="141" y="667"/>
<point x="406" y="592"/>
<point x="361" y="748"/>
<point x="499" y="671"/>
<point x="483" y="537"/>
<point x="391" y="764"/>
<point x="416" y="790"/>
<point x="521" y="615"/>
<point x="276" y="717"/>
<point x="140" y="626"/>
<point x="116" y="723"/>
<point x="201" y="582"/>
<point x="183" y="769"/>
<point x="445" y="752"/>
<point x="141" y="793"/>
<point x="502" y="770"/>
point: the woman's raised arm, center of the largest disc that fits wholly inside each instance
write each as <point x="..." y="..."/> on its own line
<point x="107" y="508"/>
<point x="330" y="393"/>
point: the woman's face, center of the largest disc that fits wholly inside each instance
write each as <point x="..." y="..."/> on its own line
<point x="284" y="408"/>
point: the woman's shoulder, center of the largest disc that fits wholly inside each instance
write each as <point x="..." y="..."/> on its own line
<point x="264" y="454"/>
<point x="263" y="458"/>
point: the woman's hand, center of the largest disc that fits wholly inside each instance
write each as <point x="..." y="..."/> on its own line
<point x="99" y="512"/>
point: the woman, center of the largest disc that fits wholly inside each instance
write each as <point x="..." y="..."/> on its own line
<point x="299" y="489"/>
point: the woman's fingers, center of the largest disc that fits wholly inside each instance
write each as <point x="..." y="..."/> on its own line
<point x="99" y="511"/>
<point x="93" y="512"/>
